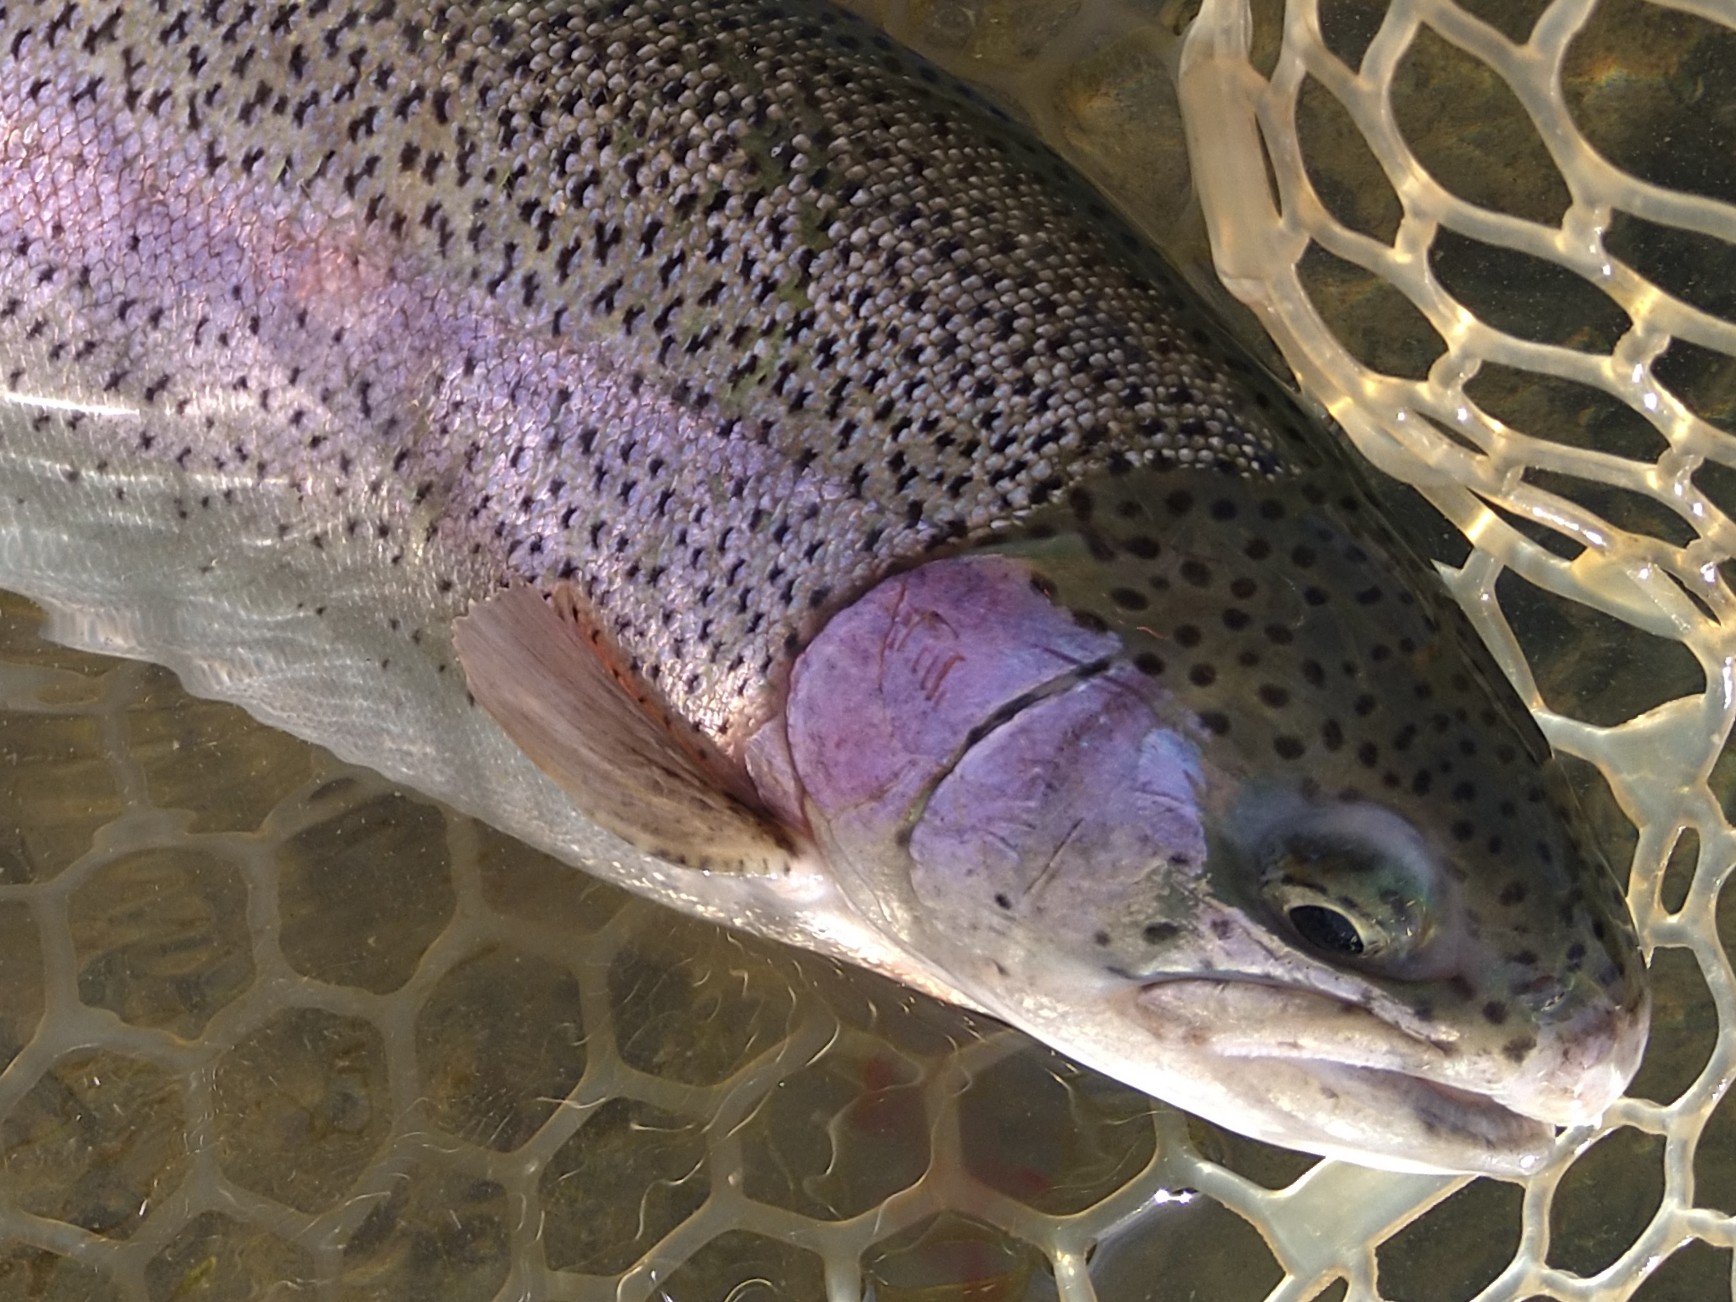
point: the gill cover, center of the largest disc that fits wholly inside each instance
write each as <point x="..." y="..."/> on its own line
<point x="1005" y="784"/>
<point x="957" y="719"/>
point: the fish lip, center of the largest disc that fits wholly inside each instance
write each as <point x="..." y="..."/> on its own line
<point x="1393" y="1063"/>
<point x="1524" y="1142"/>
<point x="1393" y="1018"/>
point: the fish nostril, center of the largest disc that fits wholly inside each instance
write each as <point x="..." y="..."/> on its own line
<point x="1580" y="998"/>
<point x="1545" y="1004"/>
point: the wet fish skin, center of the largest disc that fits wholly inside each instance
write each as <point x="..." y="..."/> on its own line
<point x="321" y="323"/>
<point x="492" y="282"/>
<point x="1187" y="775"/>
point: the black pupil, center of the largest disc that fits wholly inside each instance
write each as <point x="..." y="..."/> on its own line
<point x="1325" y="929"/>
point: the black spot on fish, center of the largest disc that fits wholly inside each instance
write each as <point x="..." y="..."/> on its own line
<point x="1519" y="1048"/>
<point x="1141" y="546"/>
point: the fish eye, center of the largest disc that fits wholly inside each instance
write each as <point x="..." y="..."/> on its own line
<point x="1325" y="928"/>
<point x="1348" y="900"/>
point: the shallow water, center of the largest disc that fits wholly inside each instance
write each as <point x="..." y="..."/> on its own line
<point x="274" y="1024"/>
<point x="275" y="1029"/>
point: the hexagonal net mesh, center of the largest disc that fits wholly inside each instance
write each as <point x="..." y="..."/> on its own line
<point x="1515" y="297"/>
<point x="271" y="1028"/>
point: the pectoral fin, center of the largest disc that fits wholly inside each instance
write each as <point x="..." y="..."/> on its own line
<point x="553" y="685"/>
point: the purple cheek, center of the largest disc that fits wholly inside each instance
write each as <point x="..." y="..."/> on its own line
<point x="1080" y="797"/>
<point x="889" y="692"/>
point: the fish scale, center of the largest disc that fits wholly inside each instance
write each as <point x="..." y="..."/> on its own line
<point x="872" y="360"/>
<point x="926" y="568"/>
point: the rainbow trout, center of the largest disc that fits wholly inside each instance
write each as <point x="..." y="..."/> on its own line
<point x="700" y="439"/>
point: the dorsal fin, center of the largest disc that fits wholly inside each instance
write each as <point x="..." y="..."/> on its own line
<point x="556" y="687"/>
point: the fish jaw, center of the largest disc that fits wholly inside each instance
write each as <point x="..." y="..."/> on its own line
<point x="1336" y="1078"/>
<point x="1305" y="1059"/>
<point x="1308" y="1057"/>
<point x="1344" y="1085"/>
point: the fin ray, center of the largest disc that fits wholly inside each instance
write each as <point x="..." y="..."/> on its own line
<point x="555" y="687"/>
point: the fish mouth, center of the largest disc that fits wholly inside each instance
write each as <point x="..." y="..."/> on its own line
<point x="1321" y="1073"/>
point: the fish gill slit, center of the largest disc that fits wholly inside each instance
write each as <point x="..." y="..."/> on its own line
<point x="997" y="720"/>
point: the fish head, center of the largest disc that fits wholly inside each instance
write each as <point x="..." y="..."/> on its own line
<point x="1202" y="781"/>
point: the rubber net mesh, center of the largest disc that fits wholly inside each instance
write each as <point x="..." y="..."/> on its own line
<point x="271" y="1028"/>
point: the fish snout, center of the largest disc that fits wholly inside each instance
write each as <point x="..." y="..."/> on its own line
<point x="1586" y="1047"/>
<point x="1586" y="1015"/>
